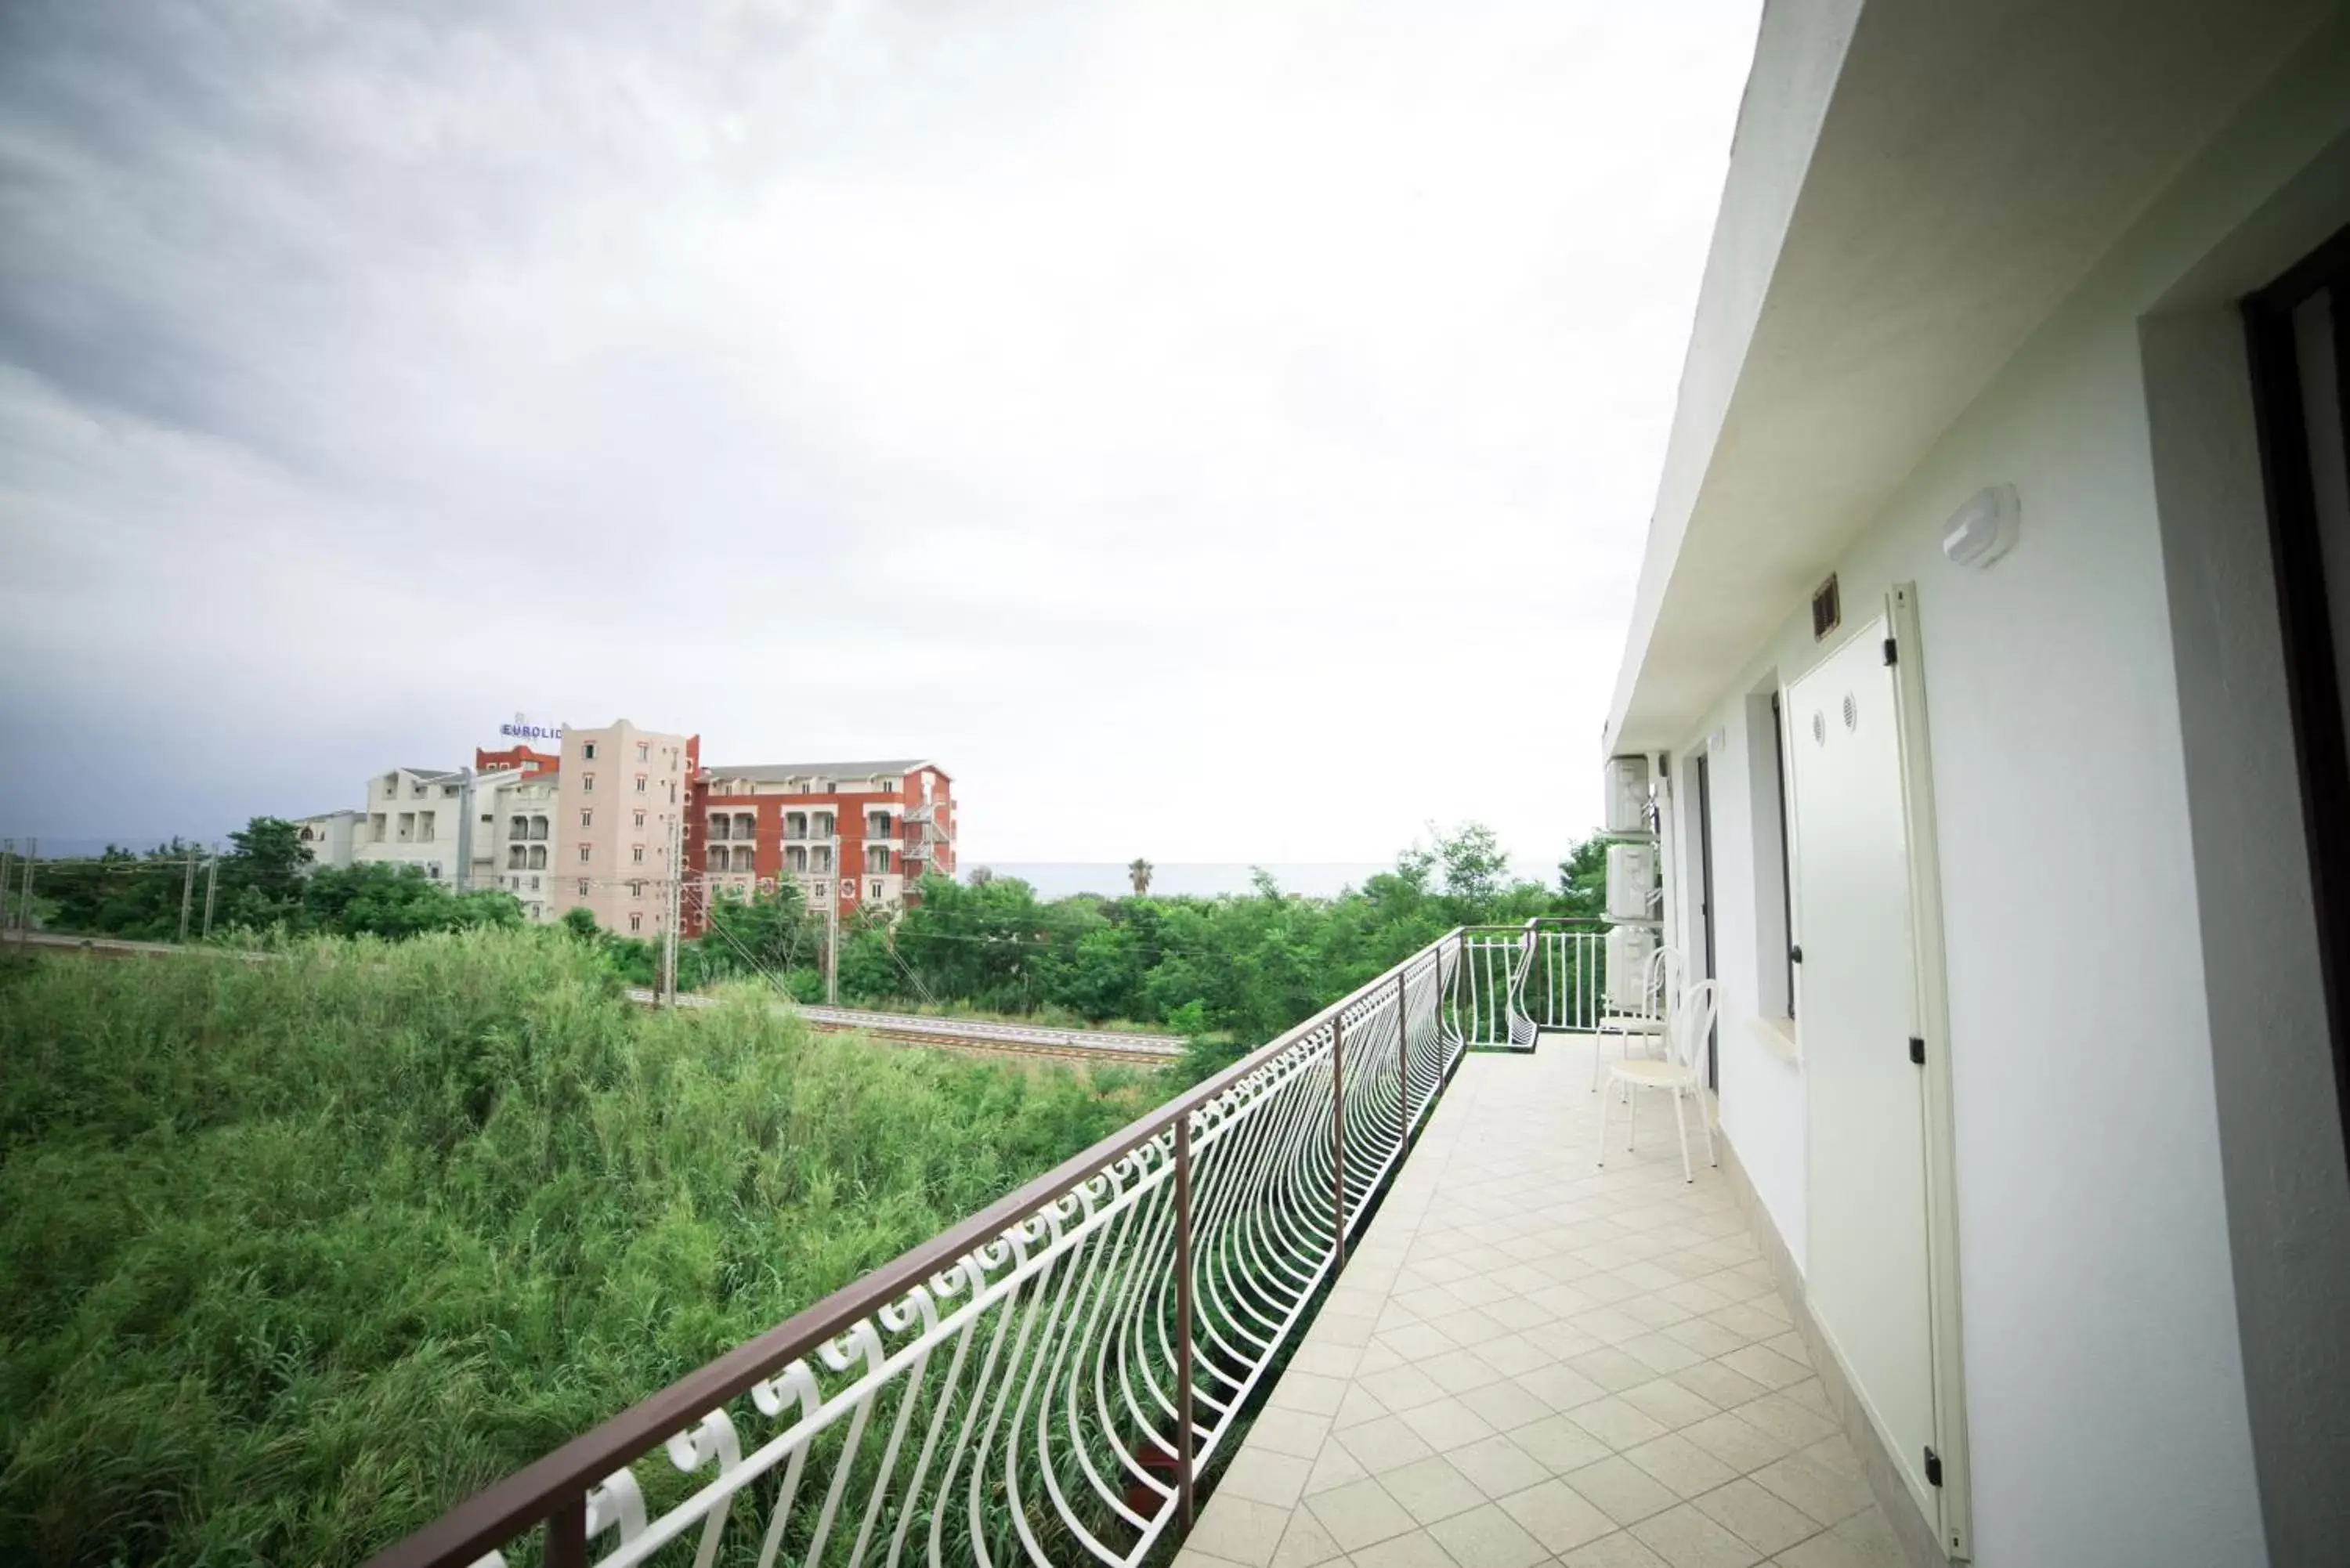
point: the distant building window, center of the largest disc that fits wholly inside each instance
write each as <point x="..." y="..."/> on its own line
<point x="636" y="923"/>
<point x="533" y="884"/>
<point x="640" y="819"/>
<point x="449" y="791"/>
<point x="635" y="889"/>
<point x="876" y="887"/>
<point x="583" y="886"/>
<point x="433" y="869"/>
<point x="819" y="890"/>
<point x="588" y="783"/>
<point x="487" y="820"/>
<point x="888" y="786"/>
<point x="584" y="850"/>
<point x="640" y="784"/>
<point x="637" y="853"/>
<point x="587" y="816"/>
<point x="644" y="751"/>
<point x="588" y="750"/>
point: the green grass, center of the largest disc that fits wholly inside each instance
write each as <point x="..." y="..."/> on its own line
<point x="295" y="1255"/>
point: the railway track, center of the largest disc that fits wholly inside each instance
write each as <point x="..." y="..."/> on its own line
<point x="980" y="1036"/>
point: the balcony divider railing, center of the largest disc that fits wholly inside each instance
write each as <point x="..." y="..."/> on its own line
<point x="1519" y="981"/>
<point x="1045" y="1383"/>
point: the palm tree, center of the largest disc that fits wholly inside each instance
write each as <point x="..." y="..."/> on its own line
<point x="1138" y="873"/>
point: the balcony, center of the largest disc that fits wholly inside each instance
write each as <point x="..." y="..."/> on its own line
<point x="1492" y="1349"/>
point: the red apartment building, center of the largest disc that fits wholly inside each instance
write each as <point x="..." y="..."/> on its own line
<point x="521" y="758"/>
<point x="851" y="835"/>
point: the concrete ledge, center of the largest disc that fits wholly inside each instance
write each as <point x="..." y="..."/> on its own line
<point x="1919" y="1538"/>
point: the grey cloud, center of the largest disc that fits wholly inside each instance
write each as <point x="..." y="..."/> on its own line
<point x="1052" y="387"/>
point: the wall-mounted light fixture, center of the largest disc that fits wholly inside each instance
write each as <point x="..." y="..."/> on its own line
<point x="1985" y="529"/>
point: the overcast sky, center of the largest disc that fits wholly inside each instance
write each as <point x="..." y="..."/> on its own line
<point x="1211" y="433"/>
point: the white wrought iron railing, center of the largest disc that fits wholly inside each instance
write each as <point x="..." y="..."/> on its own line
<point x="1517" y="981"/>
<point x="1046" y="1383"/>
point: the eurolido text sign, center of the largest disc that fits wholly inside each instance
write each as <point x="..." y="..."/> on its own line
<point x="520" y="730"/>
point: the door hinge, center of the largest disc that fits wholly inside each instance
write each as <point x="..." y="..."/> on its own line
<point x="1917" y="1050"/>
<point x="1933" y="1467"/>
<point x="1891" y="655"/>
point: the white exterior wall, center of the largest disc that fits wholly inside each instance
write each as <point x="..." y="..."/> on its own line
<point x="2088" y="1173"/>
<point x="330" y="836"/>
<point x="392" y="795"/>
<point x="500" y="797"/>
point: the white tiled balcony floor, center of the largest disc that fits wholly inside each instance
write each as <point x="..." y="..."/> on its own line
<point x="1530" y="1361"/>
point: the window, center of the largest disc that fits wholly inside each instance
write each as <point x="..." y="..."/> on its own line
<point x="537" y="858"/>
<point x="635" y="889"/>
<point x="533" y="884"/>
<point x="888" y="786"/>
<point x="640" y="784"/>
<point x="637" y="854"/>
<point x="587" y="750"/>
<point x="587" y="816"/>
<point x="636" y="923"/>
<point x="819" y="890"/>
<point x="640" y="819"/>
<point x="644" y="751"/>
<point x="588" y="783"/>
<point x="876" y="888"/>
<point x="433" y="869"/>
<point x="487" y="821"/>
<point x="449" y="792"/>
<point x="585" y="851"/>
<point x="583" y="886"/>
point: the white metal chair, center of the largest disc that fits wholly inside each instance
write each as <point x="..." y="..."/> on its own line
<point x="1647" y="1022"/>
<point x="1679" y="1073"/>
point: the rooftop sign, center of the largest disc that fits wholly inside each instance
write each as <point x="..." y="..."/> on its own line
<point x="522" y="729"/>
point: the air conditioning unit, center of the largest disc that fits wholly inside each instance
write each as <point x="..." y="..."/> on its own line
<point x="1631" y="881"/>
<point x="1627" y="795"/>
<point x="1629" y="950"/>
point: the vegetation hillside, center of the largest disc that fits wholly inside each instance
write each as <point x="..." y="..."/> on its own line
<point x="295" y="1253"/>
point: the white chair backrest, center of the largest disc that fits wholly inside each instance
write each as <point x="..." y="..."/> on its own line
<point x="1664" y="980"/>
<point x="1694" y="1023"/>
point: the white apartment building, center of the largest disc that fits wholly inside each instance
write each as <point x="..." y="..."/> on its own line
<point x="330" y="836"/>
<point x="1985" y="668"/>
<point x="514" y="849"/>
<point x="414" y="816"/>
<point x="620" y="801"/>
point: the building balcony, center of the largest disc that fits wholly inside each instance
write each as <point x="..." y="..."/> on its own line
<point x="1494" y="1349"/>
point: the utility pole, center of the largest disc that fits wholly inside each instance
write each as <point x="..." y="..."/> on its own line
<point x="676" y="908"/>
<point x="25" y="909"/>
<point x="465" y="831"/>
<point x="832" y="952"/>
<point x="212" y="890"/>
<point x="187" y="897"/>
<point x="7" y="868"/>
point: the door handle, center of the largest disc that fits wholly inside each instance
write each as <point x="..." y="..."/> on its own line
<point x="1795" y="953"/>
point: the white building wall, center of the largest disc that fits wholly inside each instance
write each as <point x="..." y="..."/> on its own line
<point x="2087" y="1151"/>
<point x="433" y="848"/>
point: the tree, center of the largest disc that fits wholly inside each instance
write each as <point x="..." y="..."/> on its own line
<point x="262" y="875"/>
<point x="1138" y="871"/>
<point x="1474" y="865"/>
<point x="981" y="876"/>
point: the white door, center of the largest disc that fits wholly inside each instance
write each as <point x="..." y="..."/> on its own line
<point x="1867" y="1275"/>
